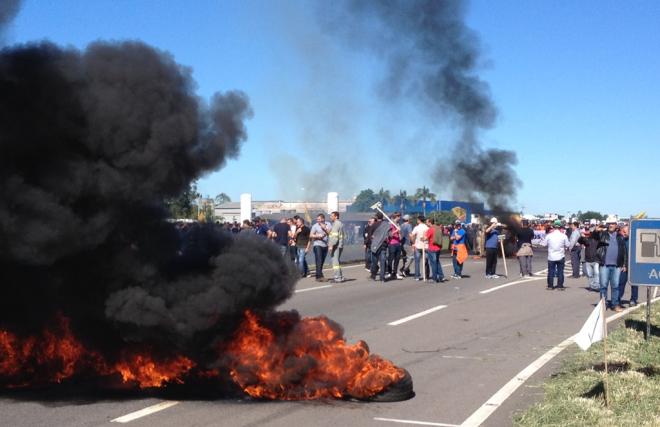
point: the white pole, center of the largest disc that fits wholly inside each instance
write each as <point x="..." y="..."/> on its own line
<point x="506" y="271"/>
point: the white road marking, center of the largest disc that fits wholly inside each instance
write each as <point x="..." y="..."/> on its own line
<point x="531" y="279"/>
<point x="486" y="410"/>
<point x="421" y="423"/>
<point x="313" y="289"/>
<point x="144" y="412"/>
<point x="415" y="316"/>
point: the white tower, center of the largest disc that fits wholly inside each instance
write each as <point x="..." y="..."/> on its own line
<point x="333" y="202"/>
<point x="246" y="206"/>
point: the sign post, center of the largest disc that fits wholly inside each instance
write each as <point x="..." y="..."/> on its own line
<point x="644" y="256"/>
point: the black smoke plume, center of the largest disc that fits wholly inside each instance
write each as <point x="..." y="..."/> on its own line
<point x="433" y="58"/>
<point x="91" y="143"/>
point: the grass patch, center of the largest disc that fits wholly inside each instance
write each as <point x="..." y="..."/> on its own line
<point x="575" y="395"/>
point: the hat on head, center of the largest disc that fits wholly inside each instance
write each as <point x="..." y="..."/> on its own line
<point x="610" y="220"/>
<point x="406" y="217"/>
<point x="493" y="220"/>
<point x="458" y="221"/>
<point x="557" y="223"/>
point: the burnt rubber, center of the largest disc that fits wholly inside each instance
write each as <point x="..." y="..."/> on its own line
<point x="400" y="390"/>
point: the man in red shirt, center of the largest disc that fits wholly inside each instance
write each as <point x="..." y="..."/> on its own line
<point x="434" y="237"/>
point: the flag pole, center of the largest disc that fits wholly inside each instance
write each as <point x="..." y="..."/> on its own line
<point x="605" y="386"/>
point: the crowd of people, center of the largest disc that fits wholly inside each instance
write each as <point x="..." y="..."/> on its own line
<point x="394" y="245"/>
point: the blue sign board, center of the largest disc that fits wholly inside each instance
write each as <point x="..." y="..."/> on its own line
<point x="644" y="252"/>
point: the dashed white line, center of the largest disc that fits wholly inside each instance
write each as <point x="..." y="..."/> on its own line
<point x="415" y="316"/>
<point x="420" y="423"/>
<point x="144" y="412"/>
<point x="313" y="289"/>
<point x="489" y="290"/>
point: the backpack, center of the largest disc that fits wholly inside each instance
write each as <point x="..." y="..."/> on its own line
<point x="437" y="236"/>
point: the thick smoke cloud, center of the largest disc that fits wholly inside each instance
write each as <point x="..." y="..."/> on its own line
<point x="8" y="10"/>
<point x="432" y="58"/>
<point x="91" y="143"/>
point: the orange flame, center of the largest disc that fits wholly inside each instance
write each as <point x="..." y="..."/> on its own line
<point x="311" y="361"/>
<point x="58" y="355"/>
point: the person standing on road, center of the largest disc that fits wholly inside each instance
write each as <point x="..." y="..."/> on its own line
<point x="557" y="243"/>
<point x="623" y="278"/>
<point x="406" y="229"/>
<point x="433" y="237"/>
<point x="492" y="241"/>
<point x="379" y="237"/>
<point x="368" y="230"/>
<point x="459" y="251"/>
<point x="419" y="245"/>
<point x="336" y="246"/>
<point x="394" y="248"/>
<point x="525" y="252"/>
<point x="612" y="259"/>
<point x="319" y="236"/>
<point x="303" y="244"/>
<point x="591" y="267"/>
<point x="280" y="235"/>
<point x="574" y="249"/>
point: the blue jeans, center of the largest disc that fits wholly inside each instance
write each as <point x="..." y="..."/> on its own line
<point x="436" y="269"/>
<point x="380" y="257"/>
<point x="556" y="269"/>
<point x="634" y="290"/>
<point x="301" y="262"/>
<point x="609" y="275"/>
<point x="320" y="252"/>
<point x="458" y="268"/>
<point x="393" y="256"/>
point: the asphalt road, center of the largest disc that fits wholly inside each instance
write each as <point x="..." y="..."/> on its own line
<point x="459" y="355"/>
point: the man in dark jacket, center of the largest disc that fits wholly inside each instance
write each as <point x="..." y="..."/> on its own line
<point x="612" y="258"/>
<point x="591" y="265"/>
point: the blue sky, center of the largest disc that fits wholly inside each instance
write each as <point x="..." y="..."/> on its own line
<point x="576" y="85"/>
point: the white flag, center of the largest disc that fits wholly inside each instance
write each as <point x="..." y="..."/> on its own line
<point x="593" y="328"/>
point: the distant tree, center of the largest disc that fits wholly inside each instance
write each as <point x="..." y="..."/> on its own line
<point x="185" y="204"/>
<point x="222" y="198"/>
<point x="586" y="216"/>
<point x="384" y="196"/>
<point x="364" y="200"/>
<point x="424" y="194"/>
<point x="400" y="199"/>
<point x="443" y="217"/>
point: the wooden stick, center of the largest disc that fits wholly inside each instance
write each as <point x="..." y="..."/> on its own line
<point x="423" y="263"/>
<point x="506" y="271"/>
<point x="605" y="386"/>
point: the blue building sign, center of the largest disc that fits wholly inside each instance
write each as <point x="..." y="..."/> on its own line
<point x="644" y="252"/>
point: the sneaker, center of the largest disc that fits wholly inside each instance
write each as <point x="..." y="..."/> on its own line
<point x="418" y="279"/>
<point x="399" y="277"/>
<point x="443" y="280"/>
<point x="488" y="276"/>
<point x="337" y="280"/>
<point x="495" y="276"/>
<point x="633" y="303"/>
<point x="367" y="269"/>
<point x="387" y="276"/>
<point x="456" y="276"/>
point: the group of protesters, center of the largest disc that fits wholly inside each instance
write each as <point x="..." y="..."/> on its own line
<point x="387" y="243"/>
<point x="393" y="245"/>
<point x="600" y="250"/>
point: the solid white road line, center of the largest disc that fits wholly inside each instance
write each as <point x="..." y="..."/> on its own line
<point x="144" y="412"/>
<point x="415" y="316"/>
<point x="313" y="289"/>
<point x="420" y="423"/>
<point x="496" y="400"/>
<point x="489" y="290"/>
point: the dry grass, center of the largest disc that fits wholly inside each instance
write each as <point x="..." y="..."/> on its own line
<point x="575" y="397"/>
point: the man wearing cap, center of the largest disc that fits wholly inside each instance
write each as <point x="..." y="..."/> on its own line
<point x="458" y="249"/>
<point x="557" y="243"/>
<point x="612" y="259"/>
<point x="492" y="240"/>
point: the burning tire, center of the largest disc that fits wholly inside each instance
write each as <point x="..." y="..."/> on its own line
<point x="400" y="390"/>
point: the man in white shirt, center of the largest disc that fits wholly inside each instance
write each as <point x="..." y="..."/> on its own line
<point x="557" y="243"/>
<point x="417" y="238"/>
